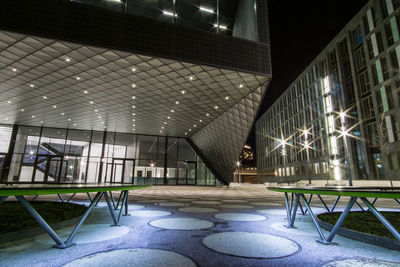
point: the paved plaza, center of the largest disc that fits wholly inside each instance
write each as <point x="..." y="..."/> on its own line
<point x="198" y="226"/>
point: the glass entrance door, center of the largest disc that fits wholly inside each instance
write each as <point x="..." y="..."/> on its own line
<point x="187" y="173"/>
<point x="120" y="170"/>
<point x="48" y="168"/>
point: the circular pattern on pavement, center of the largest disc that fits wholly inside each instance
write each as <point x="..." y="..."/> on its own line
<point x="183" y="199"/>
<point x="197" y="209"/>
<point x="172" y="204"/>
<point x="134" y="257"/>
<point x="250" y="245"/>
<point x="88" y="233"/>
<point x="150" y="213"/>
<point x="182" y="224"/>
<point x="206" y="202"/>
<point x="135" y="207"/>
<point x="241" y="217"/>
<point x="236" y="206"/>
<point x="361" y="263"/>
<point x="283" y="211"/>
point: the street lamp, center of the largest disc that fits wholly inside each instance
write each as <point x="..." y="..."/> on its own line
<point x="238" y="167"/>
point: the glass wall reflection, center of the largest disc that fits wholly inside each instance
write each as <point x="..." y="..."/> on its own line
<point x="52" y="155"/>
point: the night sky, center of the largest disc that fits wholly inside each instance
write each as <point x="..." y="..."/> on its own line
<point x="299" y="31"/>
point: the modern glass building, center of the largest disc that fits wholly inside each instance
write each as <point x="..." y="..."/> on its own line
<point x="133" y="91"/>
<point x="340" y="119"/>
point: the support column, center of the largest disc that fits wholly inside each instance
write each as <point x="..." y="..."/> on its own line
<point x="8" y="157"/>
<point x="102" y="157"/>
<point x="165" y="160"/>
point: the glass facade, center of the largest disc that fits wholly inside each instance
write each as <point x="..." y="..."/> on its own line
<point x="339" y="120"/>
<point x="55" y="155"/>
<point x="237" y="18"/>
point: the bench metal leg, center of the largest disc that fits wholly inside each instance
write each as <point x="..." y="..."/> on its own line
<point x="323" y="202"/>
<point x="294" y="211"/>
<point x="334" y="204"/>
<point x="90" y="197"/>
<point x="59" y="196"/>
<point x="119" y="199"/>
<point x="69" y="199"/>
<point x="49" y="230"/>
<point x="301" y="209"/>
<point x="341" y="220"/>
<point x="397" y="201"/>
<point x="358" y="204"/>
<point x="309" y="202"/>
<point x="111" y="209"/>
<point x="381" y="218"/>
<point x="287" y="208"/>
<point x="112" y="199"/>
<point x="126" y="205"/>
<point x="315" y="221"/>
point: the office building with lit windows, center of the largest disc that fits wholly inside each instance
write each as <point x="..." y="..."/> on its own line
<point x="340" y="119"/>
<point x="133" y="91"/>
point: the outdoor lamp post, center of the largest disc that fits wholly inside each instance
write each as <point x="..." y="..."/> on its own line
<point x="238" y="168"/>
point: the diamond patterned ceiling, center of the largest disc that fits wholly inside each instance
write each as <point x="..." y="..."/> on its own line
<point x="63" y="84"/>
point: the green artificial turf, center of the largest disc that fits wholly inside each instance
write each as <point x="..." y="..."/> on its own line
<point x="365" y="222"/>
<point x="13" y="217"/>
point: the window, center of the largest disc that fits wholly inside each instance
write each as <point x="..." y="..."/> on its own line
<point x="384" y="8"/>
<point x="394" y="160"/>
<point x="366" y="25"/>
<point x="374" y="74"/>
<point x="379" y="102"/>
<point x="357" y="36"/>
<point x="363" y="82"/>
<point x="389" y="34"/>
<point x="389" y="97"/>
<point x="385" y="69"/>
<point x="379" y="41"/>
<point x="398" y="89"/>
<point x="394" y="62"/>
<point x="360" y="58"/>
<point x="370" y="49"/>
<point x="372" y="134"/>
<point x="396" y="127"/>
<point x="368" y="107"/>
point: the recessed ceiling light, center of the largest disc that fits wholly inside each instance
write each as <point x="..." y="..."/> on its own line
<point x="240" y="85"/>
<point x="177" y="102"/>
<point x="102" y="122"/>
<point x="69" y="119"/>
<point x="133" y="114"/>
<point x="14" y="69"/>
<point x="172" y="110"/>
<point x="78" y="78"/>
<point x="133" y="120"/>
<point x="216" y="107"/>
<point x="133" y="125"/>
<point x="85" y="91"/>
<point x="162" y="127"/>
<point x="183" y="92"/>
<point x="133" y="69"/>
<point x="54" y="106"/>
<point x="185" y="133"/>
<point x="91" y="102"/>
<point x="41" y="121"/>
<point x="22" y="110"/>
<point x="32" y="85"/>
<point x="133" y="97"/>
<point x="44" y="97"/>
<point x="9" y="102"/>
<point x="133" y="106"/>
<point x="67" y="59"/>
<point x="6" y="119"/>
<point x="208" y="114"/>
<point x="190" y="130"/>
<point x="195" y="125"/>
<point x="99" y="117"/>
<point x="74" y="124"/>
<point x="95" y="110"/>
<point x="165" y="122"/>
<point x="200" y="120"/>
<point x="33" y="116"/>
<point x="226" y="97"/>
<point x="133" y="85"/>
<point x="62" y="113"/>
<point x="168" y="117"/>
<point x="191" y="78"/>
<point x="134" y="129"/>
<point x="160" y="131"/>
